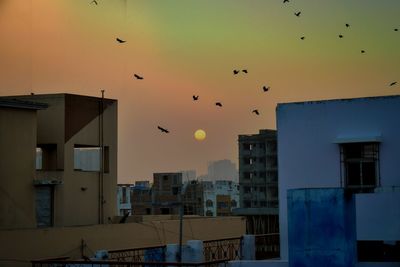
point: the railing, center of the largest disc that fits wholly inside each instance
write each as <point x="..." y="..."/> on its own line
<point x="222" y="249"/>
<point x="146" y="254"/>
<point x="267" y="246"/>
<point x="82" y="263"/>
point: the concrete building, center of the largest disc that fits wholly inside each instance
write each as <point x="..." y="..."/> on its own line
<point x="258" y="180"/>
<point x="124" y="205"/>
<point x="166" y="193"/>
<point x="220" y="197"/>
<point x="351" y="144"/>
<point x="141" y="198"/>
<point x="69" y="187"/>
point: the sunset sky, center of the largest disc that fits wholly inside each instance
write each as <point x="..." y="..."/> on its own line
<point x="190" y="47"/>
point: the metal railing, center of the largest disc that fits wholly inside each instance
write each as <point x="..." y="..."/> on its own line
<point x="222" y="249"/>
<point x="145" y="254"/>
<point x="267" y="246"/>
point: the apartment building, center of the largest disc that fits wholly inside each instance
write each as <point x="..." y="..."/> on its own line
<point x="166" y="192"/>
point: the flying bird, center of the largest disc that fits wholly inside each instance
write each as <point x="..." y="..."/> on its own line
<point x="235" y="72"/>
<point x="163" y="130"/>
<point x="138" y="77"/>
<point x="94" y="1"/>
<point x="396" y="30"/>
<point x="245" y="71"/>
<point x="340" y="36"/>
<point x="302" y="37"/>
<point x="219" y="104"/>
<point x="298" y="14"/>
<point x="285" y="1"/>
<point x="256" y="112"/>
<point x="195" y="98"/>
<point x="347" y="25"/>
<point x="120" y="40"/>
<point x="393" y="83"/>
<point x="362" y="51"/>
<point x="265" y="89"/>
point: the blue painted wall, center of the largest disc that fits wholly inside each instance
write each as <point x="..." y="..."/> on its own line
<point x="321" y="228"/>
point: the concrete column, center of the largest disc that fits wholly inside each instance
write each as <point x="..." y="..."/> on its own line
<point x="193" y="251"/>
<point x="171" y="253"/>
<point x="248" y="248"/>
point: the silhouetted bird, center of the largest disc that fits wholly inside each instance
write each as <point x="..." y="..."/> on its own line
<point x="219" y="104"/>
<point x="138" y="77"/>
<point x="347" y="25"/>
<point x="256" y="112"/>
<point x="393" y="83"/>
<point x="285" y="1"/>
<point x="340" y="36"/>
<point x="120" y="40"/>
<point x="245" y="71"/>
<point x="297" y="14"/>
<point x="396" y="30"/>
<point x="195" y="98"/>
<point x="235" y="72"/>
<point x="362" y="51"/>
<point x="162" y="129"/>
<point x="94" y="1"/>
<point x="302" y="37"/>
<point x="265" y="89"/>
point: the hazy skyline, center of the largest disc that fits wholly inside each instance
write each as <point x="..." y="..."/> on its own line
<point x="186" y="48"/>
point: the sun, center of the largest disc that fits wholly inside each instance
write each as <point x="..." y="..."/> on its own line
<point x="200" y="135"/>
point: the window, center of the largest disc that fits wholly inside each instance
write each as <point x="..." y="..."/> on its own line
<point x="262" y="189"/>
<point x="44" y="206"/>
<point x="247" y="189"/>
<point x="249" y="175"/>
<point x="88" y="158"/>
<point x="209" y="203"/>
<point x="360" y="166"/>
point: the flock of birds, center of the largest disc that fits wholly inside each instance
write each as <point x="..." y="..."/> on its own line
<point x="236" y="71"/>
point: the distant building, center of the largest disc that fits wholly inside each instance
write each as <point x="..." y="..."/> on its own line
<point x="222" y="170"/>
<point x="189" y="175"/>
<point x="346" y="143"/>
<point x="258" y="179"/>
<point x="193" y="198"/>
<point x="141" y="198"/>
<point x="220" y="197"/>
<point x="124" y="199"/>
<point x="166" y="193"/>
<point x="76" y="162"/>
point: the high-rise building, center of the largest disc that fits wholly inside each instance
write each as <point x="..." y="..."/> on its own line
<point x="258" y="180"/>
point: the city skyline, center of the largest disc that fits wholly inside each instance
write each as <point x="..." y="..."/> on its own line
<point x="185" y="48"/>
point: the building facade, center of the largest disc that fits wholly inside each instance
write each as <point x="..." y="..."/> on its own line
<point x="351" y="144"/>
<point x="220" y="197"/>
<point x="166" y="192"/>
<point x="76" y="166"/>
<point x="258" y="180"/>
<point x="124" y="205"/>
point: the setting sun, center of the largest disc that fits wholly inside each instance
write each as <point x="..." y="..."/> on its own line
<point x="200" y="135"/>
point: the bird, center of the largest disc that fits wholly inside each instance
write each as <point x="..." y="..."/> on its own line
<point x="163" y="130"/>
<point x="393" y="83"/>
<point x="340" y="36"/>
<point x="362" y="51"/>
<point x="256" y="112"/>
<point x="120" y="40"/>
<point x="235" y="72"/>
<point x="94" y="1"/>
<point x="298" y="14"/>
<point x="347" y="25"/>
<point x="245" y="71"/>
<point x="138" y="77"/>
<point x="265" y="89"/>
<point x="219" y="104"/>
<point x="302" y="37"/>
<point x="285" y="1"/>
<point x="195" y="98"/>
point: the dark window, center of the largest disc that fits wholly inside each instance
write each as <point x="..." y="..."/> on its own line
<point x="360" y="166"/>
<point x="44" y="206"/>
<point x="148" y="211"/>
<point x="247" y="189"/>
<point x="263" y="203"/>
<point x="164" y="211"/>
<point x="262" y="189"/>
<point x="246" y="204"/>
<point x="175" y="190"/>
<point x="46" y="157"/>
<point x="165" y="177"/>
<point x="209" y="203"/>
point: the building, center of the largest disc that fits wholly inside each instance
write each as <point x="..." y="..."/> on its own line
<point x="76" y="167"/>
<point x="141" y="198"/>
<point x="222" y="170"/>
<point x="193" y="198"/>
<point x="220" y="197"/>
<point x="258" y="180"/>
<point x="166" y="192"/>
<point x="124" y="199"/>
<point x="351" y="144"/>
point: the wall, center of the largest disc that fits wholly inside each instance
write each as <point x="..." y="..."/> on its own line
<point x="308" y="156"/>
<point x="53" y="242"/>
<point x="17" y="167"/>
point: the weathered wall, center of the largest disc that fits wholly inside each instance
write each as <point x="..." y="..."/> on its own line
<point x="54" y="242"/>
<point x="17" y="167"/>
<point x="308" y="156"/>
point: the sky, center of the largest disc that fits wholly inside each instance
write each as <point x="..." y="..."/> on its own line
<point x="186" y="47"/>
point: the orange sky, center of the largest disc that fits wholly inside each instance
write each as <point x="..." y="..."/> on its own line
<point x="191" y="47"/>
